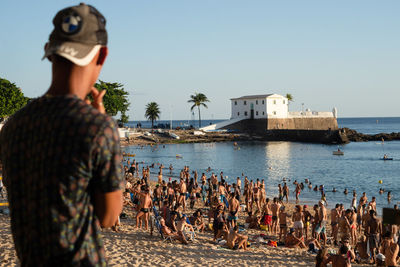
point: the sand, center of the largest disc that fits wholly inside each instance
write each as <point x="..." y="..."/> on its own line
<point x="131" y="247"/>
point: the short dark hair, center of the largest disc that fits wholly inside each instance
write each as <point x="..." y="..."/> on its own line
<point x="343" y="250"/>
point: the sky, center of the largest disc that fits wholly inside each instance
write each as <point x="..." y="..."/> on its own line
<point x="343" y="54"/>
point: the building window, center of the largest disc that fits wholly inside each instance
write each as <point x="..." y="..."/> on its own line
<point x="263" y="102"/>
<point x="238" y="113"/>
<point x="236" y="103"/>
<point x="257" y="113"/>
<point x="274" y="112"/>
<point x="245" y="113"/>
<point x="284" y="102"/>
<point x="274" y="102"/>
<point x="244" y="103"/>
<point x="263" y="113"/>
<point x="256" y="102"/>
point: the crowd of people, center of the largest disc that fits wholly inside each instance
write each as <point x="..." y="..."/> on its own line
<point x="215" y="204"/>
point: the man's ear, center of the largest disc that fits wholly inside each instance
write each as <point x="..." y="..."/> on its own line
<point x="45" y="48"/>
<point x="102" y="55"/>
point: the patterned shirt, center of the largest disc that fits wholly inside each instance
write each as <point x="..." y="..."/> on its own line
<point x="56" y="151"/>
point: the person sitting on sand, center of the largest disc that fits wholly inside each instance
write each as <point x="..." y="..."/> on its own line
<point x="390" y="249"/>
<point x="321" y="258"/>
<point x="291" y="241"/>
<point x="341" y="259"/>
<point x="236" y="240"/>
<point x="182" y="225"/>
<point x="168" y="233"/>
<point x="197" y="220"/>
<point x="253" y="221"/>
<point x="219" y="225"/>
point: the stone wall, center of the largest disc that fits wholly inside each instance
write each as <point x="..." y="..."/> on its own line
<point x="318" y="130"/>
<point x="302" y="124"/>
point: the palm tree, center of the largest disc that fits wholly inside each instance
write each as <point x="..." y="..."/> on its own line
<point x="289" y="98"/>
<point x="152" y="112"/>
<point x="198" y="99"/>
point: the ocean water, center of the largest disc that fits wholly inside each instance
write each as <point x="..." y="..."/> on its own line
<point x="360" y="169"/>
<point x="371" y="125"/>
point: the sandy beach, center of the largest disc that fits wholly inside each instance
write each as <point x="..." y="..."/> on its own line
<point x="131" y="247"/>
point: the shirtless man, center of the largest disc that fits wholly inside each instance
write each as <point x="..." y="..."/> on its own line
<point x="297" y="218"/>
<point x="335" y="216"/>
<point x="267" y="212"/>
<point x="168" y="233"/>
<point x="182" y="194"/>
<point x="297" y="192"/>
<point x="256" y="197"/>
<point x="372" y="203"/>
<point x="363" y="199"/>
<point x="182" y="225"/>
<point x="306" y="220"/>
<point x="323" y="218"/>
<point x="285" y="191"/>
<point x="373" y="230"/>
<point x="236" y="240"/>
<point x="291" y="241"/>
<point x="222" y="193"/>
<point x="160" y="177"/>
<point x="234" y="207"/>
<point x="341" y="259"/>
<point x="390" y="249"/>
<point x="344" y="226"/>
<point x="214" y="182"/>
<point x="282" y="218"/>
<point x="280" y="190"/>
<point x="144" y="207"/>
<point x="239" y="183"/>
<point x="275" y="206"/>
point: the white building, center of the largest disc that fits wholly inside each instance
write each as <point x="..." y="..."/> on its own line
<point x="259" y="107"/>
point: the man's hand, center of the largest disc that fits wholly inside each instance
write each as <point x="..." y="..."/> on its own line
<point x="97" y="100"/>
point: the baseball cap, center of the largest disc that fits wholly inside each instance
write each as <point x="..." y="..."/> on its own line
<point x="78" y="34"/>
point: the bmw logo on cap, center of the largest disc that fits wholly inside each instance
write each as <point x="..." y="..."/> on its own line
<point x="71" y="24"/>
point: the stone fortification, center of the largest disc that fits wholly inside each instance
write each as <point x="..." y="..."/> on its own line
<point x="316" y="129"/>
<point x="301" y="123"/>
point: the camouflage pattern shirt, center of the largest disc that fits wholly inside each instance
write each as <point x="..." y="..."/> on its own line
<point x="56" y="151"/>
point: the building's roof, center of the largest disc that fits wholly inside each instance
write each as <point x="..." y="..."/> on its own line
<point x="253" y="96"/>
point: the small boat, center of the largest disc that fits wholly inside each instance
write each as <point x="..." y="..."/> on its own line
<point x="338" y="153"/>
<point x="179" y="156"/>
<point x="385" y="157"/>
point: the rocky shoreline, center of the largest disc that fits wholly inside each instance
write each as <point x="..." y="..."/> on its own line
<point x="354" y="136"/>
<point x="343" y="135"/>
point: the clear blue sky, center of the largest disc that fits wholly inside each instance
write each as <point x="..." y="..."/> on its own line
<point x="325" y="53"/>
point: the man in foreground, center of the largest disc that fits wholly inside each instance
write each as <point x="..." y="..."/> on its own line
<point x="61" y="155"/>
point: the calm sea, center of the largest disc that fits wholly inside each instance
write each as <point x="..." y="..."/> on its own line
<point x="359" y="169"/>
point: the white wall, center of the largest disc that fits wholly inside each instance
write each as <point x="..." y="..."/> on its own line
<point x="277" y="106"/>
<point x="274" y="106"/>
<point x="258" y="106"/>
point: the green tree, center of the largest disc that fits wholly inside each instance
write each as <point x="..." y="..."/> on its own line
<point x="152" y="112"/>
<point x="115" y="100"/>
<point x="198" y="99"/>
<point x="289" y="98"/>
<point x="11" y="98"/>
